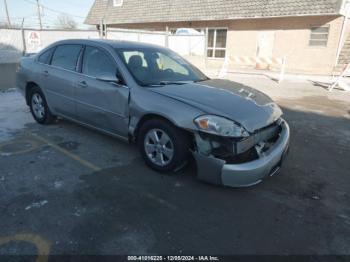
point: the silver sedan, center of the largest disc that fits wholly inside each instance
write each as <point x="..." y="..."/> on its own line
<point x="150" y="95"/>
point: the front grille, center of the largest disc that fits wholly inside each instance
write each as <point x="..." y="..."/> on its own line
<point x="267" y="134"/>
<point x="236" y="152"/>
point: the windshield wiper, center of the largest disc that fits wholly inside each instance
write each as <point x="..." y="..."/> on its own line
<point x="202" y="80"/>
<point x="164" y="83"/>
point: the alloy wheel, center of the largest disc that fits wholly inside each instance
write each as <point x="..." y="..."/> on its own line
<point x="38" y="106"/>
<point x="159" y="147"/>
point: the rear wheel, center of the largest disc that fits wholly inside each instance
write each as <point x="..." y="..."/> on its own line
<point x="39" y="107"/>
<point x="164" y="147"/>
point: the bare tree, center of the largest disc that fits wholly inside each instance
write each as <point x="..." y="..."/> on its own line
<point x="66" y="22"/>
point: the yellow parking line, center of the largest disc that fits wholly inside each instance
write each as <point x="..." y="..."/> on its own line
<point x="33" y="146"/>
<point x="42" y="245"/>
<point x="97" y="168"/>
<point x="67" y="153"/>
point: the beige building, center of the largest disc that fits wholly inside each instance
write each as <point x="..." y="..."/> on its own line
<point x="310" y="34"/>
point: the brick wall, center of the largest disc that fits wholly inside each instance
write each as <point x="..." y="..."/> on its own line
<point x="291" y="39"/>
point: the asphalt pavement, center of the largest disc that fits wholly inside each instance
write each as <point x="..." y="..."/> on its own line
<point x="65" y="189"/>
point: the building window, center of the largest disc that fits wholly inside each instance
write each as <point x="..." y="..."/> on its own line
<point x="217" y="43"/>
<point x="319" y="36"/>
<point x="117" y="2"/>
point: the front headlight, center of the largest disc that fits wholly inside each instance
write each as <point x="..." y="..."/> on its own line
<point x="220" y="126"/>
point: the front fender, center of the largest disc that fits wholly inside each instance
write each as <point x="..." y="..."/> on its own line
<point x="144" y="102"/>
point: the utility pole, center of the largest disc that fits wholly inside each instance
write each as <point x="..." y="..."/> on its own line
<point x="39" y="14"/>
<point x="24" y="51"/>
<point x="7" y="14"/>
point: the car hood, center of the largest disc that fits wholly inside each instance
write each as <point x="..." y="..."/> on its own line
<point x="242" y="104"/>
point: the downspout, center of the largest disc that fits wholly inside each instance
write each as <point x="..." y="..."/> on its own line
<point x="101" y="28"/>
<point x="206" y="47"/>
<point x="105" y="29"/>
<point x="103" y="21"/>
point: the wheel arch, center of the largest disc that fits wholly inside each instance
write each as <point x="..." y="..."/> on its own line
<point x="29" y="86"/>
<point x="150" y="116"/>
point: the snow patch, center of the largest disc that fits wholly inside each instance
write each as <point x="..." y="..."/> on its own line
<point x="37" y="204"/>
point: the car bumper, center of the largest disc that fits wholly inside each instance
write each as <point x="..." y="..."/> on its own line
<point x="216" y="171"/>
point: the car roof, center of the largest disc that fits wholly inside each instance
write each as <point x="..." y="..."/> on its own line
<point x="112" y="43"/>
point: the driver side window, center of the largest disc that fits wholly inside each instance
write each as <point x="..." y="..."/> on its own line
<point x="96" y="63"/>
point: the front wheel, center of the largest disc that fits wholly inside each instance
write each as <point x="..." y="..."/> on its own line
<point x="164" y="147"/>
<point x="39" y="107"/>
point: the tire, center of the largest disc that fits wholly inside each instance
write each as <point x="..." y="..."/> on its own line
<point x="170" y="153"/>
<point x="39" y="108"/>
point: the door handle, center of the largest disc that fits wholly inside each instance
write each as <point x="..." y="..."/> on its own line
<point x="46" y="73"/>
<point x="82" y="84"/>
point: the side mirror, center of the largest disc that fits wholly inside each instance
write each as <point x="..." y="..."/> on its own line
<point x="109" y="78"/>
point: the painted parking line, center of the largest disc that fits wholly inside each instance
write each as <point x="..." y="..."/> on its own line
<point x="18" y="147"/>
<point x="97" y="168"/>
<point x="41" y="244"/>
<point x="75" y="157"/>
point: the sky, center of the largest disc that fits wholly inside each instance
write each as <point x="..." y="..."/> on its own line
<point x="77" y="9"/>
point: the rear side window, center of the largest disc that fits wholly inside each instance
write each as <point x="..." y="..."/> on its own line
<point x="45" y="57"/>
<point x="96" y="63"/>
<point x="66" y="56"/>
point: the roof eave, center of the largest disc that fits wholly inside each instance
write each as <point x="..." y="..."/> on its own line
<point x="89" y="22"/>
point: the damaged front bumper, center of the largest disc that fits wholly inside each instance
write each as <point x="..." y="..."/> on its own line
<point x="217" y="171"/>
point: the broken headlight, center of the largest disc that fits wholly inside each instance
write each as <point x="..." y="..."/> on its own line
<point x="220" y="126"/>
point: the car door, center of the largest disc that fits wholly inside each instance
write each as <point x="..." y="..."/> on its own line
<point x="60" y="77"/>
<point x="102" y="104"/>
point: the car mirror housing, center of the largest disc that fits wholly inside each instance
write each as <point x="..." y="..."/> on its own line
<point x="109" y="78"/>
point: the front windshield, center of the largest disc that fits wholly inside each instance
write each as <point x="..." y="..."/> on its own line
<point x="151" y="66"/>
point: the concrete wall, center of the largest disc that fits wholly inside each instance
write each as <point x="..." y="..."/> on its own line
<point x="182" y="44"/>
<point x="291" y="39"/>
<point x="12" y="44"/>
<point x="7" y="75"/>
<point x="48" y="37"/>
<point x="193" y="45"/>
<point x="151" y="37"/>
